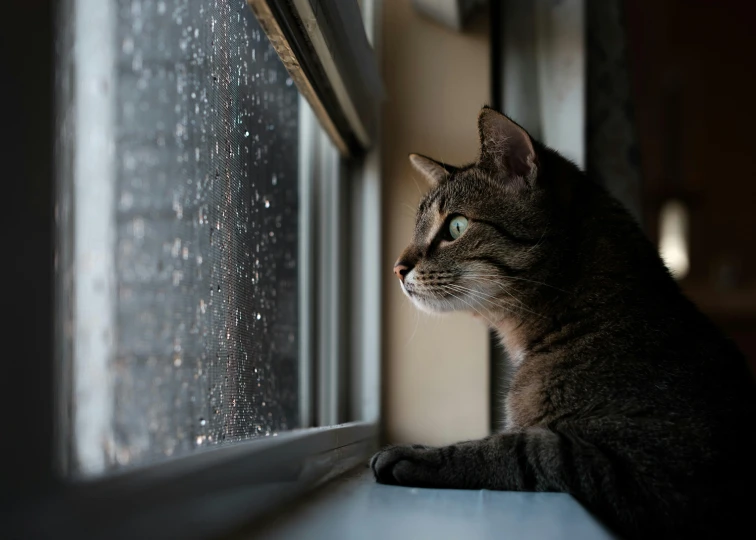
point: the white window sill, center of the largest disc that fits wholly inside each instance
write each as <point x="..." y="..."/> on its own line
<point x="355" y="506"/>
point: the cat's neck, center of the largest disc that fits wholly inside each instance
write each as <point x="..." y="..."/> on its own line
<point x="616" y="264"/>
<point x="512" y="337"/>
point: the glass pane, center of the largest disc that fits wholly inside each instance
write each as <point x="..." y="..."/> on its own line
<point x="206" y="226"/>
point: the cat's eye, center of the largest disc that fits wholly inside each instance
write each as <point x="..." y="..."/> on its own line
<point x="457" y="226"/>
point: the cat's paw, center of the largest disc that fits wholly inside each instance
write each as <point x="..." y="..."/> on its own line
<point x="410" y="465"/>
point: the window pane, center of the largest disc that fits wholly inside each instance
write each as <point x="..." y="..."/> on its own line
<point x="206" y="224"/>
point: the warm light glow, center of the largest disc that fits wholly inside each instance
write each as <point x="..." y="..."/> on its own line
<point x="673" y="238"/>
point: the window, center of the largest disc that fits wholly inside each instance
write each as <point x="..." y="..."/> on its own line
<point x="196" y="339"/>
<point x="217" y="243"/>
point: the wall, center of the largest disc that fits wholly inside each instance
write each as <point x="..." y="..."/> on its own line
<point x="694" y="80"/>
<point x="435" y="379"/>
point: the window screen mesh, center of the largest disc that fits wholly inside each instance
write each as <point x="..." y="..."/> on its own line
<point x="205" y="254"/>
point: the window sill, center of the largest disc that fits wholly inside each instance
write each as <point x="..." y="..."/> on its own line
<point x="203" y="495"/>
<point x="355" y="506"/>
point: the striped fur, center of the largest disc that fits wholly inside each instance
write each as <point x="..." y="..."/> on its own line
<point x="624" y="395"/>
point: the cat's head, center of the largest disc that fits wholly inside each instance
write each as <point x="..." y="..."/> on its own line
<point x="485" y="233"/>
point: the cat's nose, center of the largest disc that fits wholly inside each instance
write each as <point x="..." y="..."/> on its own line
<point x="401" y="269"/>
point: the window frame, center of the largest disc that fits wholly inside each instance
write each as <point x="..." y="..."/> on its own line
<point x="209" y="492"/>
<point x="340" y="360"/>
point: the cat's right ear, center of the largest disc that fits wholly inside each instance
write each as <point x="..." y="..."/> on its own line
<point x="505" y="146"/>
<point x="433" y="171"/>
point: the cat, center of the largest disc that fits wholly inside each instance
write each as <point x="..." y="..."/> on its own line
<point x="623" y="394"/>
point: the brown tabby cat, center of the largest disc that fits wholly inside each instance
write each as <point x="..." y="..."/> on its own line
<point x="624" y="394"/>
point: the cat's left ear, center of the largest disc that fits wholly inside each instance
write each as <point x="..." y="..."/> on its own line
<point x="433" y="171"/>
<point x="505" y="146"/>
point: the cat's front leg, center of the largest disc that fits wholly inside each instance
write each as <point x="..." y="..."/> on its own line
<point x="534" y="459"/>
<point x="422" y="466"/>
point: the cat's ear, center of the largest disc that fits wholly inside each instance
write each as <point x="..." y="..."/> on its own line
<point x="433" y="171"/>
<point x="505" y="146"/>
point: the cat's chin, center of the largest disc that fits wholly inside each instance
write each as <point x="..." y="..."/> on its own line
<point x="431" y="306"/>
<point x="426" y="308"/>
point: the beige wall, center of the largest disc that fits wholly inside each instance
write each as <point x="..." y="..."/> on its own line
<point x="435" y="369"/>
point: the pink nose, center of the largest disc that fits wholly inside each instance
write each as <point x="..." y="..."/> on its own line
<point x="401" y="270"/>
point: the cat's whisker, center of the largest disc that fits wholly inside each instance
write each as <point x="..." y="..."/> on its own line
<point x="445" y="287"/>
<point x="420" y="191"/>
<point x="543" y="235"/>
<point x="500" y="278"/>
<point x="504" y="278"/>
<point x="486" y="295"/>
<point x="417" y="323"/>
<point x="493" y="296"/>
<point x="502" y="306"/>
<point x="412" y="211"/>
<point x="502" y="287"/>
<point x="477" y="294"/>
<point x="483" y="296"/>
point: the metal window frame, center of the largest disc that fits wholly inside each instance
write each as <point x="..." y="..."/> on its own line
<point x="88" y="211"/>
<point x="331" y="275"/>
<point x="207" y="493"/>
<point x="215" y="490"/>
<point x="328" y="54"/>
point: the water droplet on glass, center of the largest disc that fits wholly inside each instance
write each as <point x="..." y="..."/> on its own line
<point x="138" y="228"/>
<point x="246" y="133"/>
<point x="267" y="203"/>
<point x="203" y="421"/>
<point x="176" y="247"/>
<point x="127" y="200"/>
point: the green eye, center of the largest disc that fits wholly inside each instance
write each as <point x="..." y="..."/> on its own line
<point x="457" y="226"/>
